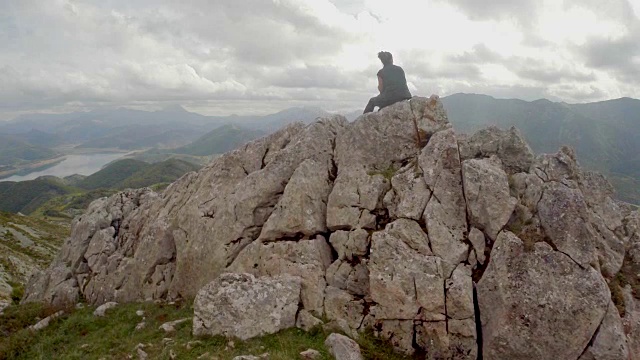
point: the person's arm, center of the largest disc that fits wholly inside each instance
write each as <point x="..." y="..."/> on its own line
<point x="380" y="85"/>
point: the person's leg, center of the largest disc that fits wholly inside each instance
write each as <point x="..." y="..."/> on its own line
<point x="371" y="105"/>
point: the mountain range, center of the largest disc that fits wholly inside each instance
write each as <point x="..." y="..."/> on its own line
<point x="606" y="135"/>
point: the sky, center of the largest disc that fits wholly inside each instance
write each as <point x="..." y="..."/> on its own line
<point x="219" y="57"/>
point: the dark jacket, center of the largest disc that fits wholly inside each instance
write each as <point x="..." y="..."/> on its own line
<point x="394" y="84"/>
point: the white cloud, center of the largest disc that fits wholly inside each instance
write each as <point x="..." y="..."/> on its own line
<point x="260" y="54"/>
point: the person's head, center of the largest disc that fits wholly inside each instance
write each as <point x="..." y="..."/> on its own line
<point x="385" y="57"/>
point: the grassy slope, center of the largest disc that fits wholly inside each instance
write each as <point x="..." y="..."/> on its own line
<point x="80" y="335"/>
<point x="113" y="174"/>
<point x="17" y="261"/>
<point x="163" y="172"/>
<point x="27" y="196"/>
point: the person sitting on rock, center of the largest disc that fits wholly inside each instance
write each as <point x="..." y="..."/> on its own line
<point x="392" y="84"/>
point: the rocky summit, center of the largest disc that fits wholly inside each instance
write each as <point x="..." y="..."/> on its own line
<point x="449" y="246"/>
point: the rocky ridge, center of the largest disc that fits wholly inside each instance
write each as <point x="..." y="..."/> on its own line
<point x="450" y="246"/>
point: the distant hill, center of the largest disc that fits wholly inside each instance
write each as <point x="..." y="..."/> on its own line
<point x="220" y="140"/>
<point x="112" y="175"/>
<point x="16" y="151"/>
<point x="159" y="173"/>
<point x="130" y="173"/>
<point x="52" y="196"/>
<point x="606" y="135"/>
<point x="273" y="122"/>
<point x="27" y="196"/>
<point x="141" y="137"/>
<point x="40" y="138"/>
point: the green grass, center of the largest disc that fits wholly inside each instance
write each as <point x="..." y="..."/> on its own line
<point x="80" y="335"/>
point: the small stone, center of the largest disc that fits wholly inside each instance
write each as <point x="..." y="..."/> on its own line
<point x="169" y="327"/>
<point x="79" y="306"/>
<point x="231" y="345"/>
<point x="141" y="325"/>
<point x="205" y="355"/>
<point x="46" y="321"/>
<point x="84" y="346"/>
<point x="101" y="310"/>
<point x="306" y="321"/>
<point x="310" y="354"/>
<point x="172" y="355"/>
<point x="252" y="357"/>
<point x="343" y="348"/>
<point x="167" y="341"/>
<point x="140" y="313"/>
<point x="191" y="344"/>
<point x="142" y="355"/>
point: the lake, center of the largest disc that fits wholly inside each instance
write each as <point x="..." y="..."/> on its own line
<point x="85" y="164"/>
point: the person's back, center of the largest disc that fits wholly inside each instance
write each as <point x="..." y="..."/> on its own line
<point x="392" y="84"/>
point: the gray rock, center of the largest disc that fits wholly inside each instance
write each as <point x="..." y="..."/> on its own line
<point x="350" y="244"/>
<point x="342" y="348"/>
<point x="142" y="355"/>
<point x="306" y="321"/>
<point x="356" y="194"/>
<point x="459" y="294"/>
<point x="561" y="167"/>
<point x="631" y="323"/>
<point x="486" y="189"/>
<point x="339" y="305"/>
<point x="563" y="215"/>
<point x="477" y="240"/>
<point x="306" y="259"/>
<point x="508" y="145"/>
<point x="445" y="215"/>
<point x="609" y="342"/>
<point x="352" y="278"/>
<point x="538" y="304"/>
<point x="46" y="321"/>
<point x="102" y="309"/>
<point x="310" y="354"/>
<point x="170" y="326"/>
<point x="405" y="284"/>
<point x="302" y="208"/>
<point x="409" y="194"/>
<point x="252" y="357"/>
<point x="243" y="306"/>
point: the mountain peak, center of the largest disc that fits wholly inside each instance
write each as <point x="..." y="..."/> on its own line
<point x="392" y="222"/>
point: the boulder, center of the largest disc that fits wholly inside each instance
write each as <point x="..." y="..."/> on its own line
<point x="102" y="309"/>
<point x="538" y="304"/>
<point x="243" y="306"/>
<point x="342" y="348"/>
<point x="564" y="217"/>
<point x="445" y="214"/>
<point x="609" y="341"/>
<point x="405" y="284"/>
<point x="508" y="145"/>
<point x="303" y="206"/>
<point x="486" y="189"/>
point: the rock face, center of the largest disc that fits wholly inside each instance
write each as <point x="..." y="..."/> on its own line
<point x="446" y="245"/>
<point x="538" y="304"/>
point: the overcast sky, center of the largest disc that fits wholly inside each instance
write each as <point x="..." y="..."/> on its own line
<point x="260" y="56"/>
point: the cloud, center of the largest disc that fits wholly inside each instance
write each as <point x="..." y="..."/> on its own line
<point x="248" y="55"/>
